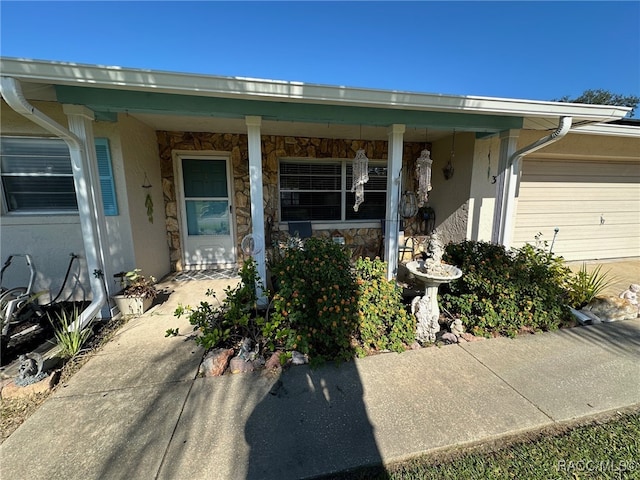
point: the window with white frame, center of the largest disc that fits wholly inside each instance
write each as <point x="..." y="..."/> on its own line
<point x="321" y="191"/>
<point x="37" y="177"/>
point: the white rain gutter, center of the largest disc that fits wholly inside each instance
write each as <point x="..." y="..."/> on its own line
<point x="119" y="78"/>
<point x="507" y="188"/>
<point x="11" y="91"/>
<point x="563" y="128"/>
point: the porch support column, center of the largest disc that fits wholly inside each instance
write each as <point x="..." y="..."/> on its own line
<point x="506" y="186"/>
<point x="87" y="182"/>
<point x="394" y="167"/>
<point x="257" y="204"/>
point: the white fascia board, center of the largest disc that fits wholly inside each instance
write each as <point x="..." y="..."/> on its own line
<point x="609" y="130"/>
<point x="61" y="73"/>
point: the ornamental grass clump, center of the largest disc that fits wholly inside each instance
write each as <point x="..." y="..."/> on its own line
<point x="70" y="341"/>
<point x="584" y="286"/>
<point x="504" y="292"/>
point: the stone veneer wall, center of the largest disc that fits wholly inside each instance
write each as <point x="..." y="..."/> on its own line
<point x="366" y="241"/>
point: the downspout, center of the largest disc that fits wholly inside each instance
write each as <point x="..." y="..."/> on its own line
<point x="563" y="128"/>
<point x="12" y="93"/>
<point x="513" y="166"/>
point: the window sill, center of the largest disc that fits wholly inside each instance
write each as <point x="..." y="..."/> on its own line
<point x="337" y="225"/>
<point x="52" y="218"/>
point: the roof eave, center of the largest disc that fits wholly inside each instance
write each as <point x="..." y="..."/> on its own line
<point x="608" y="129"/>
<point x="64" y="73"/>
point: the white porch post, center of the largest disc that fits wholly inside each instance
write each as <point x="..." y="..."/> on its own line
<point x="257" y="204"/>
<point x="506" y="185"/>
<point x="394" y="167"/>
<point x="87" y="183"/>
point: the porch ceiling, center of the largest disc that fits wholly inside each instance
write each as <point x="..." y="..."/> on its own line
<point x="196" y="113"/>
<point x="183" y="123"/>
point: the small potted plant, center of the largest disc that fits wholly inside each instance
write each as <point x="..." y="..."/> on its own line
<point x="137" y="294"/>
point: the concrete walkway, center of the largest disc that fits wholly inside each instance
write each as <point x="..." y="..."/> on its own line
<point x="137" y="411"/>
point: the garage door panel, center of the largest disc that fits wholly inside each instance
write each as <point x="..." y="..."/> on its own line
<point x="541" y="219"/>
<point x="554" y="168"/>
<point x="575" y="196"/>
<point x="574" y="207"/>
<point x="567" y="191"/>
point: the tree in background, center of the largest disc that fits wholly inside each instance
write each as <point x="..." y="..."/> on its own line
<point x="604" y="97"/>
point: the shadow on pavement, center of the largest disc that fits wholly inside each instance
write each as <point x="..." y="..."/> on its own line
<point x="310" y="423"/>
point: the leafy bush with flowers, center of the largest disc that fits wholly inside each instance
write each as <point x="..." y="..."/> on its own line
<point x="384" y="323"/>
<point x="315" y="304"/>
<point x="504" y="292"/>
<point x="321" y="307"/>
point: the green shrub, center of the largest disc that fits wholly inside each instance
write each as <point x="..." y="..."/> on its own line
<point x="502" y="292"/>
<point x="384" y="323"/>
<point x="315" y="306"/>
<point x="232" y="319"/>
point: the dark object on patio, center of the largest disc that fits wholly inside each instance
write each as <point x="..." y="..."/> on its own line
<point x="301" y="229"/>
<point x="402" y="249"/>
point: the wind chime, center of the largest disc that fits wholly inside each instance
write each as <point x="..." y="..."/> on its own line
<point x="448" y="168"/>
<point x="360" y="176"/>
<point x="423" y="172"/>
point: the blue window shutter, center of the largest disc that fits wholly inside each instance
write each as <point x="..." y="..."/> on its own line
<point x="105" y="171"/>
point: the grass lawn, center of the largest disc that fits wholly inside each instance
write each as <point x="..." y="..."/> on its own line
<point x="604" y="449"/>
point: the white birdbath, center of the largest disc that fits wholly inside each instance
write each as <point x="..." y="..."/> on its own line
<point x="426" y="308"/>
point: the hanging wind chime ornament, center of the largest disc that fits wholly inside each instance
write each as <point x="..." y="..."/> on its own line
<point x="360" y="177"/>
<point x="408" y="204"/>
<point x="448" y="168"/>
<point x="423" y="172"/>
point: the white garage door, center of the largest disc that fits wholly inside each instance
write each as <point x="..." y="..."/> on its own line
<point x="595" y="206"/>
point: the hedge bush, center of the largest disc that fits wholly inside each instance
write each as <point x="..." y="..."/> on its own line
<point x="502" y="292"/>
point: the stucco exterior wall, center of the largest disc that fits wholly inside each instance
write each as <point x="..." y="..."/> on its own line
<point x="140" y="158"/>
<point x="367" y="239"/>
<point x="483" y="189"/>
<point x="450" y="198"/>
<point x="573" y="145"/>
<point x="49" y="239"/>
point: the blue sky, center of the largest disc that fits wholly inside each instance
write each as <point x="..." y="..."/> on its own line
<point x="535" y="50"/>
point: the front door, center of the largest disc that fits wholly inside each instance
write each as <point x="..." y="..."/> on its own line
<point x="207" y="227"/>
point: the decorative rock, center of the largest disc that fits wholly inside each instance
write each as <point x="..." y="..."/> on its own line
<point x="612" y="309"/>
<point x="415" y="346"/>
<point x="274" y="361"/>
<point x="469" y="337"/>
<point x="449" y="337"/>
<point x="215" y="362"/>
<point x="238" y="365"/>
<point x="298" y="358"/>
<point x="11" y="390"/>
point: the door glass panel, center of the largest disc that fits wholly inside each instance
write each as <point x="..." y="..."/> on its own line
<point x="204" y="178"/>
<point x="208" y="217"/>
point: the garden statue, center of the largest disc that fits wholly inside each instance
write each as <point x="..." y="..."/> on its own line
<point x="30" y="370"/>
<point x="456" y="327"/>
<point x="427" y="321"/>
<point x="432" y="272"/>
<point x="245" y="352"/>
<point x="631" y="294"/>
